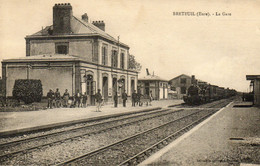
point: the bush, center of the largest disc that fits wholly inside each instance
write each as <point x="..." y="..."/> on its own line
<point x="27" y="90"/>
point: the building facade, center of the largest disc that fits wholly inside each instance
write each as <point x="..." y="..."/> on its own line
<point x="155" y="85"/>
<point x="180" y="84"/>
<point x="255" y="80"/>
<point x="73" y="54"/>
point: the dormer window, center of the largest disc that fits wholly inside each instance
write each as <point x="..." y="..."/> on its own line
<point x="61" y="48"/>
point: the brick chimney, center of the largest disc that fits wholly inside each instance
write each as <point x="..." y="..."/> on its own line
<point x="193" y="80"/>
<point x="147" y="72"/>
<point x="62" y="14"/>
<point x="84" y="17"/>
<point x="99" y="24"/>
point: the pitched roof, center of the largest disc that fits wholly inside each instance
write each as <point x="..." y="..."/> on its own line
<point x="79" y="27"/>
<point x="180" y="76"/>
<point x="151" y="78"/>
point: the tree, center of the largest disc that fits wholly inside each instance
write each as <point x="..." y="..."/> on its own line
<point x="133" y="64"/>
<point x="27" y="90"/>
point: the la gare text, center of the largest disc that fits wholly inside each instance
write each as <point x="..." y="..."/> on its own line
<point x="201" y="14"/>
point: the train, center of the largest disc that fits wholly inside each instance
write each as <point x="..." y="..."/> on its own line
<point x="202" y="93"/>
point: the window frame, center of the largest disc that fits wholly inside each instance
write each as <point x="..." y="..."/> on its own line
<point x="114" y="58"/>
<point x="183" y="80"/>
<point x="65" y="44"/>
<point x="104" y="55"/>
<point x="122" y="60"/>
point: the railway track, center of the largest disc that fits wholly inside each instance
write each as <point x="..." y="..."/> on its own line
<point x="108" y="127"/>
<point x="140" y="145"/>
<point x="215" y="104"/>
<point x="26" y="145"/>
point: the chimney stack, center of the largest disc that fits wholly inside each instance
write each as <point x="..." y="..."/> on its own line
<point x="193" y="80"/>
<point x="62" y="14"/>
<point x="99" y="24"/>
<point x="84" y="17"/>
<point x="147" y="72"/>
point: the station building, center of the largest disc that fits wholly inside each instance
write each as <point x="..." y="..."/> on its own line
<point x="73" y="54"/>
<point x="255" y="83"/>
<point x="153" y="84"/>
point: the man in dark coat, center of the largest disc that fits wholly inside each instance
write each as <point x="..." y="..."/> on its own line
<point x="84" y="100"/>
<point x="77" y="98"/>
<point x="66" y="97"/>
<point x="115" y="99"/>
<point x="138" y="98"/>
<point x="98" y="98"/>
<point x="57" y="98"/>
<point x="124" y="97"/>
<point x="50" y="97"/>
<point x="134" y="97"/>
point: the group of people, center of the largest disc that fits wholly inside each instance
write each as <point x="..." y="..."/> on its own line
<point x="80" y="100"/>
<point x="124" y="98"/>
<point x="136" y="99"/>
<point x="56" y="100"/>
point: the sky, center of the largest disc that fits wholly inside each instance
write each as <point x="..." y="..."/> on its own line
<point x="220" y="50"/>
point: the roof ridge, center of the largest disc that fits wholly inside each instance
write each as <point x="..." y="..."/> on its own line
<point x="93" y="27"/>
<point x="85" y="24"/>
<point x="179" y="76"/>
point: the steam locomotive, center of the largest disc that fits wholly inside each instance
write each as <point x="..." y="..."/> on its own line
<point x="204" y="93"/>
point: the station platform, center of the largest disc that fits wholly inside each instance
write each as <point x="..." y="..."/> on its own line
<point x="18" y="122"/>
<point x="229" y="137"/>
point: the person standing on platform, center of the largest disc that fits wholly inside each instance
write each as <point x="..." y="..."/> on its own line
<point x="77" y="98"/>
<point x="134" y="96"/>
<point x="150" y="98"/>
<point x="124" y="97"/>
<point x="115" y="99"/>
<point x="98" y="98"/>
<point x="138" y="98"/>
<point x="50" y="97"/>
<point x="57" y="98"/>
<point x="84" y="100"/>
<point x="66" y="97"/>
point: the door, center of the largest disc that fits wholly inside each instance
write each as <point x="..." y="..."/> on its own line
<point x="132" y="86"/>
<point x="105" y="88"/>
<point x="147" y="88"/>
<point x="90" y="89"/>
<point x="163" y="90"/>
<point x="114" y="83"/>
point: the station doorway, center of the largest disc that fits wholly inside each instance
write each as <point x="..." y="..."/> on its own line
<point x="123" y="85"/>
<point x="114" y="84"/>
<point x="105" y="88"/>
<point x="90" y="89"/>
<point x="132" y="86"/>
<point x="147" y="88"/>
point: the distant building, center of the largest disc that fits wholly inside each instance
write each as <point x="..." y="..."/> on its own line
<point x="180" y="84"/>
<point x="255" y="82"/>
<point x="73" y="54"/>
<point x="153" y="84"/>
